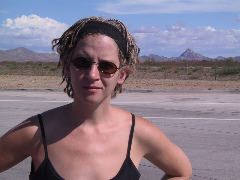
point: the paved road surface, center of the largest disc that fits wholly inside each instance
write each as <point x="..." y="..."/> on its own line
<point x="206" y="124"/>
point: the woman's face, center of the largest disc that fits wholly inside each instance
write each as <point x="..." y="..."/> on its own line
<point x="88" y="82"/>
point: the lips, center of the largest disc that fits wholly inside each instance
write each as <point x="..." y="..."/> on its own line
<point x="92" y="87"/>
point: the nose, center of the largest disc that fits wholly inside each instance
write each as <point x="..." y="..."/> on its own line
<point x="93" y="72"/>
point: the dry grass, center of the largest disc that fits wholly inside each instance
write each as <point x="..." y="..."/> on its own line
<point x="150" y="75"/>
<point x="53" y="82"/>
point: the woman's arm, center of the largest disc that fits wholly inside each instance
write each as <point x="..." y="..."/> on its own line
<point x="159" y="150"/>
<point x="17" y="144"/>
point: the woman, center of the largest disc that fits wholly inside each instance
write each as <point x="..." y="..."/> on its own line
<point x="89" y="138"/>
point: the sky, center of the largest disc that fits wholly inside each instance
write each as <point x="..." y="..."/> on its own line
<point x="162" y="27"/>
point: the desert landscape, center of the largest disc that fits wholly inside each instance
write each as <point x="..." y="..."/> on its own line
<point x="149" y="75"/>
<point x="22" y="68"/>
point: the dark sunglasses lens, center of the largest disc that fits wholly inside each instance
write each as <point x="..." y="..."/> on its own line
<point x="82" y="64"/>
<point x="107" y="67"/>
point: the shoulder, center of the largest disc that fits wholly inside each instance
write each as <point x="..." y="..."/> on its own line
<point x="150" y="137"/>
<point x="25" y="138"/>
<point x="26" y="128"/>
<point x="27" y="134"/>
<point x="145" y="128"/>
<point x="24" y="133"/>
<point x="30" y="130"/>
<point x="160" y="150"/>
<point x="19" y="143"/>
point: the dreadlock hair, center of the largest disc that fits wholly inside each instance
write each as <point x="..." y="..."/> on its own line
<point x="128" y="50"/>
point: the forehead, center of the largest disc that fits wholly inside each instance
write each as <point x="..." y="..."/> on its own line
<point x="97" y="39"/>
<point x="98" y="45"/>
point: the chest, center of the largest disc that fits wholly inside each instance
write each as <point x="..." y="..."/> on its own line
<point x="89" y="157"/>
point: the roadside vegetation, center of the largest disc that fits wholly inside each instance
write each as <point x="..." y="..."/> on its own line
<point x="29" y="68"/>
<point x="149" y="69"/>
<point x="190" y="70"/>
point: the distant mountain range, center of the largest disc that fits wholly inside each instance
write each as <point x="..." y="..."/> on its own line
<point x="22" y="54"/>
<point x="188" y="55"/>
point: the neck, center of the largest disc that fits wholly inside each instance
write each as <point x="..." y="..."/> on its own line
<point x="90" y="113"/>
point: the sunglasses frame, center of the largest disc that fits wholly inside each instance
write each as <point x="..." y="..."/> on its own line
<point x="88" y="65"/>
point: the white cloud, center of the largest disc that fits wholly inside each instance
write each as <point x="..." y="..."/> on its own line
<point x="37" y="33"/>
<point x="168" y="6"/>
<point x="209" y="28"/>
<point x="30" y="31"/>
<point x="151" y="29"/>
<point x="175" y="39"/>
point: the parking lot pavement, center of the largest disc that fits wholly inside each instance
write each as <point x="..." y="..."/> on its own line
<point x="205" y="124"/>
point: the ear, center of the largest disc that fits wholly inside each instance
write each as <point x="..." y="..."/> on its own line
<point x="122" y="76"/>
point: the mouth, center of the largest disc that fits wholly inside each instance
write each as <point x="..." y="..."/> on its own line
<point x="92" y="87"/>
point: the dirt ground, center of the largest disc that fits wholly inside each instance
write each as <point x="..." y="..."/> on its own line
<point x="53" y="83"/>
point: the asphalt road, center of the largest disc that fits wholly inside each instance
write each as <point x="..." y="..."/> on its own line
<point x="205" y="124"/>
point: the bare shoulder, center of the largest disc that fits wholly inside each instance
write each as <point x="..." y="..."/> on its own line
<point x="145" y="128"/>
<point x="151" y="137"/>
<point x="28" y="131"/>
<point x="26" y="127"/>
<point x="19" y="143"/>
<point x="149" y="134"/>
<point x="160" y="150"/>
<point x="24" y="132"/>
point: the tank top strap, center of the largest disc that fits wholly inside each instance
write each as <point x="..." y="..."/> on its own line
<point x="131" y="136"/>
<point x="43" y="134"/>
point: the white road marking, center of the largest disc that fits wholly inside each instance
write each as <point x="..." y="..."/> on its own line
<point x="21" y="100"/>
<point x="177" y="103"/>
<point x="132" y="102"/>
<point x="192" y="118"/>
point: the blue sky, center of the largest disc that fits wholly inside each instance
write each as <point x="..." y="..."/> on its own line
<point x="163" y="27"/>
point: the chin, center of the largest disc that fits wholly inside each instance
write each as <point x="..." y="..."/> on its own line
<point x="91" y="99"/>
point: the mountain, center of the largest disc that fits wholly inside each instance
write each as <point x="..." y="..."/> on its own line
<point x="153" y="56"/>
<point x="237" y="58"/>
<point x="189" y="54"/>
<point x="23" y="54"/>
<point x="220" y="58"/>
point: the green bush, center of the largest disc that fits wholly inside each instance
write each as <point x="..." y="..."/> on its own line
<point x="225" y="71"/>
<point x="12" y="65"/>
<point x="29" y="68"/>
<point x="195" y="69"/>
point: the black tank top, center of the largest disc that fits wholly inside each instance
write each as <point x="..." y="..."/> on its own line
<point x="46" y="171"/>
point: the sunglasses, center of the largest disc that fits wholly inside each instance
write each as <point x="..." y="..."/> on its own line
<point x="104" y="67"/>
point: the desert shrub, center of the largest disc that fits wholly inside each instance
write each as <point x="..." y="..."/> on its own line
<point x="193" y="77"/>
<point x="141" y="67"/>
<point x="156" y="69"/>
<point x="196" y="69"/>
<point x="150" y="62"/>
<point x="53" y="69"/>
<point x="29" y="68"/>
<point x="176" y="71"/>
<point x="225" y="71"/>
<point x="12" y="65"/>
